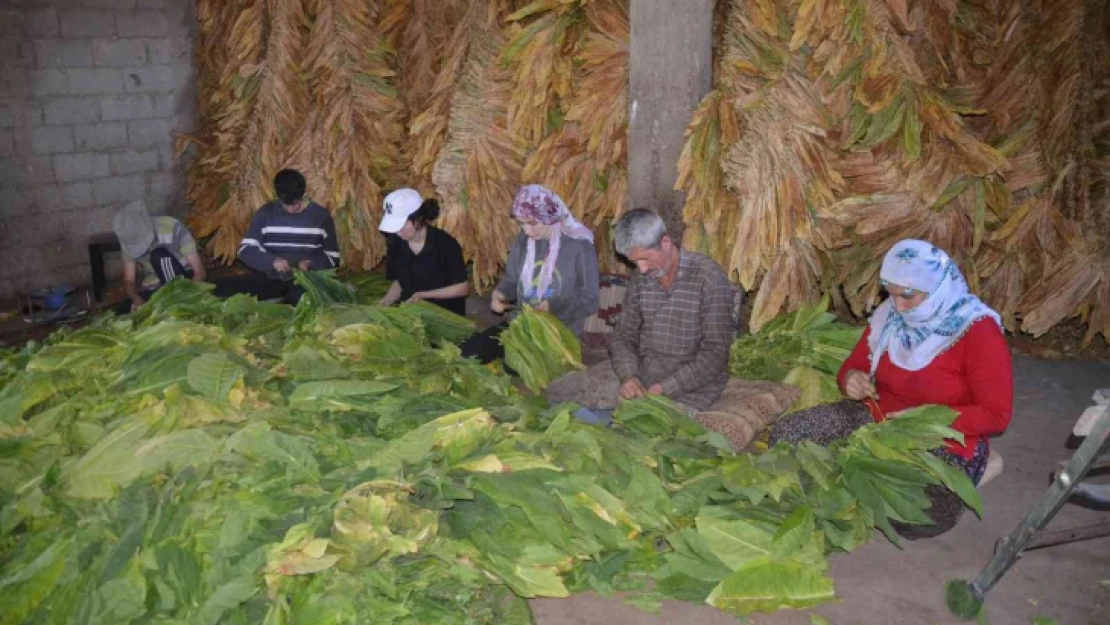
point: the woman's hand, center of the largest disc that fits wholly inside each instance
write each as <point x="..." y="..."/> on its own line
<point x="545" y="306"/>
<point x="497" y="302"/>
<point x="857" y="385"/>
<point x="416" y="297"/>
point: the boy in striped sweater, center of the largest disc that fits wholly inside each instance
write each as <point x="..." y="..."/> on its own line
<point x="288" y="233"/>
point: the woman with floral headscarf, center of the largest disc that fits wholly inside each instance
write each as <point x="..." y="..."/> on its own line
<point x="552" y="266"/>
<point x="930" y="342"/>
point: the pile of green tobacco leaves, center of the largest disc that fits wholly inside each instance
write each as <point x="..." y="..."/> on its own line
<point x="804" y="348"/>
<point x="207" y="461"/>
<point x="539" y="348"/>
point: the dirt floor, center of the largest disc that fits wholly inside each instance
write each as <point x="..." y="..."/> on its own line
<point x="883" y="585"/>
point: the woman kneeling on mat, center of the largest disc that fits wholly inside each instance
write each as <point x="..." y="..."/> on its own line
<point x="930" y="342"/>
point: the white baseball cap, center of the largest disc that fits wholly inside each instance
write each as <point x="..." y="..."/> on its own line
<point x="397" y="207"/>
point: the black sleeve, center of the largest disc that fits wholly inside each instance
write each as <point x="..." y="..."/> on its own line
<point x="453" y="260"/>
<point x="391" y="257"/>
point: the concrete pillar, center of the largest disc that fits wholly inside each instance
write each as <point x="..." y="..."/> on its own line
<point x="671" y="69"/>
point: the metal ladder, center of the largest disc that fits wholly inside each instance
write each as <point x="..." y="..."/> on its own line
<point x="965" y="599"/>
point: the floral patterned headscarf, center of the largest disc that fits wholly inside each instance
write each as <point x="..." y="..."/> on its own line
<point x="915" y="337"/>
<point x="538" y="203"/>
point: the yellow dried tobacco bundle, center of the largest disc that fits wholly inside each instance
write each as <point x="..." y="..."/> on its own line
<point x="710" y="212"/>
<point x="278" y="114"/>
<point x="233" y="105"/>
<point x="422" y="46"/>
<point x="478" y="170"/>
<point x="428" y="128"/>
<point x="350" y="66"/>
<point x="1078" y="282"/>
<point x="543" y="36"/>
<point x="214" y="19"/>
<point x="585" y="159"/>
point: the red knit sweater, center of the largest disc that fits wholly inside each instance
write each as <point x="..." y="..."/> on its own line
<point x="974" y="377"/>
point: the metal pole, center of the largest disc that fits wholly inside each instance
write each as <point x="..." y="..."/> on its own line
<point x="1014" y="543"/>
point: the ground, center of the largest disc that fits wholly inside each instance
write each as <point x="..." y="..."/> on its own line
<point x="883" y="585"/>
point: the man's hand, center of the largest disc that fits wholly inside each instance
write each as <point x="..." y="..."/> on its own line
<point x="281" y="265"/>
<point x="545" y="306"/>
<point x="632" y="388"/>
<point x="304" y="265"/>
<point x="137" y="302"/>
<point x="497" y="302"/>
<point x="655" y="389"/>
<point x="857" y="385"/>
<point x="416" y="297"/>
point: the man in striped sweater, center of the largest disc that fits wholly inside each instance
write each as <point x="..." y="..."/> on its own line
<point x="289" y="233"/>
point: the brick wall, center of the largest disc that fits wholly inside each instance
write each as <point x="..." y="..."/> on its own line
<point x="90" y="91"/>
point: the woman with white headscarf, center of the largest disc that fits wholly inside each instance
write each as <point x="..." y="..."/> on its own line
<point x="552" y="266"/>
<point x="930" y="342"/>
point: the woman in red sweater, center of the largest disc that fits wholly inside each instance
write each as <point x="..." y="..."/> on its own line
<point x="930" y="342"/>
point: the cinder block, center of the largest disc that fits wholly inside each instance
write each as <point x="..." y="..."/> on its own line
<point x="19" y="113"/>
<point x="35" y="170"/>
<point x="134" y="162"/>
<point x="153" y="4"/>
<point x="149" y="79"/>
<point x="14" y="84"/>
<point x="110" y="4"/>
<point x="165" y="157"/>
<point x="119" y="52"/>
<point x="168" y="51"/>
<point x="52" y="140"/>
<point x="71" y="111"/>
<point x="126" y="108"/>
<point x="104" y="136"/>
<point x="63" y="197"/>
<point x="83" y="166"/>
<point x="48" y="82"/>
<point x="7" y="148"/>
<point x="118" y="189"/>
<point x="17" y="52"/>
<point x="88" y="23"/>
<point x="165" y="104"/>
<point x="163" y="185"/>
<point x="94" y="81"/>
<point x="142" y="23"/>
<point x="64" y="53"/>
<point x="149" y="132"/>
<point x="44" y="23"/>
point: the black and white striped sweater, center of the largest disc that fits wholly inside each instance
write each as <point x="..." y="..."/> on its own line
<point x="275" y="232"/>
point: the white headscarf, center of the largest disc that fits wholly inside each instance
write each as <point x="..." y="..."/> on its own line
<point x="545" y="206"/>
<point x="915" y="337"/>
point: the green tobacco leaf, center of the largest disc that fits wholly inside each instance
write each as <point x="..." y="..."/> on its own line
<point x="176" y="450"/>
<point x="734" y="542"/>
<point x="259" y="442"/>
<point x="527" y="581"/>
<point x="213" y="375"/>
<point x="955" y="480"/>
<point x="110" y="464"/>
<point x="766" y="585"/>
<point x="21" y="592"/>
<point x="227" y="597"/>
<point x="334" y="394"/>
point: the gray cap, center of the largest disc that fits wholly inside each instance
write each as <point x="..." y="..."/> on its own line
<point x="134" y="228"/>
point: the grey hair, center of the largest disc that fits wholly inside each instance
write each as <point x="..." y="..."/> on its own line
<point x="638" y="227"/>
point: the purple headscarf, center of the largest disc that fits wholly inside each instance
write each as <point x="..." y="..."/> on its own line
<point x="538" y="203"/>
